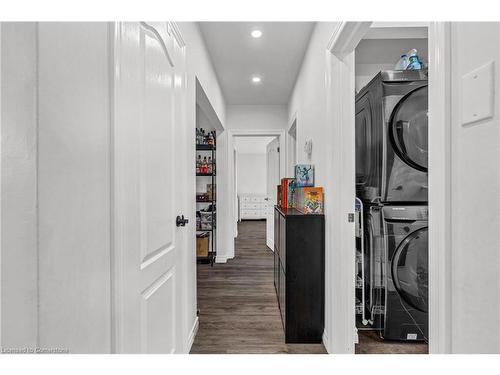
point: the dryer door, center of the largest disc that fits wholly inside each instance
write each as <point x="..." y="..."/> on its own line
<point x="410" y="269"/>
<point x="408" y="128"/>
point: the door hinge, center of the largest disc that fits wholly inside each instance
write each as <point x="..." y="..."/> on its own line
<point x="350" y="217"/>
<point x="278" y="149"/>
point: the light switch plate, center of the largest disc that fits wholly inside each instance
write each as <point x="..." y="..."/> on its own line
<point x="478" y="94"/>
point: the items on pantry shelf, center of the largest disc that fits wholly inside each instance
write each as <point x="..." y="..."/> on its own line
<point x="202" y="244"/>
<point x="287" y="188"/>
<point x="202" y="197"/>
<point x="205" y="138"/>
<point x="304" y="175"/>
<point x="309" y="200"/>
<point x="211" y="191"/>
<point x="205" y="165"/>
<point x="204" y="220"/>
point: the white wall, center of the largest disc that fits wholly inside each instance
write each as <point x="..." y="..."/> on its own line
<point x="18" y="250"/>
<point x="475" y="199"/>
<point x="74" y="187"/>
<point x="308" y="104"/>
<point x="252" y="173"/>
<point x="199" y="67"/>
<point x="251" y="165"/>
<point x="257" y="117"/>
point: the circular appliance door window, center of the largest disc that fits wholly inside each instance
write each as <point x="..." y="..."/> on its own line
<point x="409" y="126"/>
<point x="410" y="269"/>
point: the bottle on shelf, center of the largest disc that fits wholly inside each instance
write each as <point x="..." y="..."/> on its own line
<point x="198" y="164"/>
<point x="204" y="168"/>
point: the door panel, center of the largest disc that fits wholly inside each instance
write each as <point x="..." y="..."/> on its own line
<point x="158" y="333"/>
<point x="273" y="179"/>
<point x="147" y="187"/>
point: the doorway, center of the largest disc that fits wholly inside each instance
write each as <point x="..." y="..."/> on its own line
<point x="391" y="293"/>
<point x="276" y="141"/>
<point x="238" y="308"/>
<point x="341" y="83"/>
<point x="257" y="172"/>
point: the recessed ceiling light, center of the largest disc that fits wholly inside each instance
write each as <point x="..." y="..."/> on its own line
<point x="256" y="33"/>
<point x="256" y="79"/>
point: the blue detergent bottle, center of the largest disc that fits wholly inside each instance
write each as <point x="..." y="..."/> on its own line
<point x="414" y="62"/>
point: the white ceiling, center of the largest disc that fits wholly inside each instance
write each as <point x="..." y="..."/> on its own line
<point x="276" y="57"/>
<point x="252" y="144"/>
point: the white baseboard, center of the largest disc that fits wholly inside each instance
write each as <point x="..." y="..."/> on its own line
<point x="326" y="342"/>
<point x="192" y="334"/>
<point x="221" y="259"/>
<point x="270" y="244"/>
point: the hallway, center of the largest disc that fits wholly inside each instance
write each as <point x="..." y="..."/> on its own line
<point x="237" y="301"/>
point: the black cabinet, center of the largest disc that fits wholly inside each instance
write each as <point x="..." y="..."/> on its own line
<point x="299" y="273"/>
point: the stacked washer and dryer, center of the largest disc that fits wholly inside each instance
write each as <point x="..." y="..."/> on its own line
<point x="392" y="183"/>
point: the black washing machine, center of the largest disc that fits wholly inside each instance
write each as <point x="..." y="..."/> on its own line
<point x="391" y="138"/>
<point x="405" y="233"/>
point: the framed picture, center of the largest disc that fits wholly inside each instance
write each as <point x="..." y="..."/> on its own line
<point x="304" y="175"/>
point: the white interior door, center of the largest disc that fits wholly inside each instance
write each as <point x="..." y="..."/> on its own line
<point x="273" y="179"/>
<point x="148" y="190"/>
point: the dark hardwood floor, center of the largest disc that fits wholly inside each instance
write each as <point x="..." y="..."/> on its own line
<point x="239" y="312"/>
<point x="237" y="301"/>
<point x="371" y="343"/>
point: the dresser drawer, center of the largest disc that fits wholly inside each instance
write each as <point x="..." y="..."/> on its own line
<point x="251" y="206"/>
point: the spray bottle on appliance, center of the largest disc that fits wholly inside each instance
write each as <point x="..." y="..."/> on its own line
<point x="414" y="62"/>
<point x="402" y="64"/>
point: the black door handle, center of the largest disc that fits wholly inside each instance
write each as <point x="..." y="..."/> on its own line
<point x="180" y="221"/>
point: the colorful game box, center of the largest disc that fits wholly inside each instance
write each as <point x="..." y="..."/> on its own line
<point x="309" y="200"/>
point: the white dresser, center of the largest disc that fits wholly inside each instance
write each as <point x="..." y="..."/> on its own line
<point x="252" y="207"/>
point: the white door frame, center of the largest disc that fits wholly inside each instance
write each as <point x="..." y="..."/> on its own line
<point x="292" y="127"/>
<point x="439" y="188"/>
<point x="339" y="315"/>
<point x="231" y="133"/>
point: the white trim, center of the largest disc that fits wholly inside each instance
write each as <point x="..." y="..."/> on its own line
<point x="439" y="188"/>
<point x="1" y="169"/>
<point x="340" y="322"/>
<point x="270" y="244"/>
<point x="346" y="37"/>
<point x="192" y="334"/>
<point x="289" y="158"/>
<point x="173" y="29"/>
<point x="326" y="342"/>
<point x="221" y="259"/>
